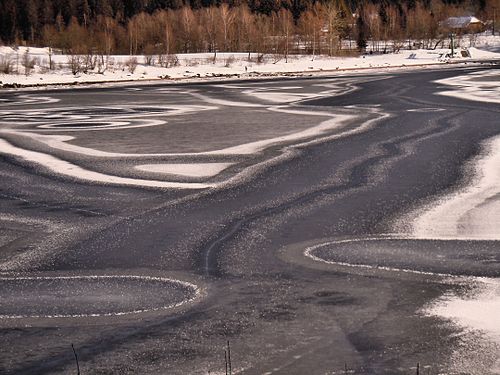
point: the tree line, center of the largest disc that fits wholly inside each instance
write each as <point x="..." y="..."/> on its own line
<point x="167" y="27"/>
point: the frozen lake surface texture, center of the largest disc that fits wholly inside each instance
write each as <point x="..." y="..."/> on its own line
<point x="322" y="225"/>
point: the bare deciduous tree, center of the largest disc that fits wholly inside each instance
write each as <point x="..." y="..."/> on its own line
<point x="227" y="17"/>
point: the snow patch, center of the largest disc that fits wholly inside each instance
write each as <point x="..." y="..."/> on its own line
<point x="479" y="310"/>
<point x="64" y="168"/>
<point x="481" y="86"/>
<point x="471" y="213"/>
<point x="203" y="65"/>
<point x="188" y="170"/>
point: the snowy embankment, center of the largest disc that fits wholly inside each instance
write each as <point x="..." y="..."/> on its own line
<point x="207" y="65"/>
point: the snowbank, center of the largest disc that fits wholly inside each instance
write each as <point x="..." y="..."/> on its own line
<point x="205" y="65"/>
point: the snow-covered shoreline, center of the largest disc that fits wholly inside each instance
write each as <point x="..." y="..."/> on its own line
<point x="207" y="66"/>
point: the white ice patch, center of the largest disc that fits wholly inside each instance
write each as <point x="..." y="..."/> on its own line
<point x="64" y="168"/>
<point x="222" y="102"/>
<point x="471" y="213"/>
<point x="426" y="110"/>
<point x="279" y="96"/>
<point x="474" y="86"/>
<point x="91" y="126"/>
<point x="480" y="311"/>
<point x="103" y="118"/>
<point x="251" y="148"/>
<point x="335" y="121"/>
<point x="188" y="170"/>
<point x="66" y="119"/>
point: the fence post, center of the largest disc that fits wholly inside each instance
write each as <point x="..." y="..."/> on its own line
<point x="229" y="358"/>
<point x="76" y="359"/>
<point x="225" y="358"/>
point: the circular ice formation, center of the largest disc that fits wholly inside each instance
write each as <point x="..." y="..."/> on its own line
<point x="90" y="296"/>
<point x="419" y="256"/>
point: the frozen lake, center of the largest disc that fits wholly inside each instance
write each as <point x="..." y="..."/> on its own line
<point x="315" y="223"/>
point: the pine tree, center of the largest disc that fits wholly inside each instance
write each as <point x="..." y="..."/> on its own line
<point x="361" y="32"/>
<point x="8" y="21"/>
<point x="83" y="14"/>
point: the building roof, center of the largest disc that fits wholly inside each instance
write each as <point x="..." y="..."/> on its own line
<point x="461" y="22"/>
